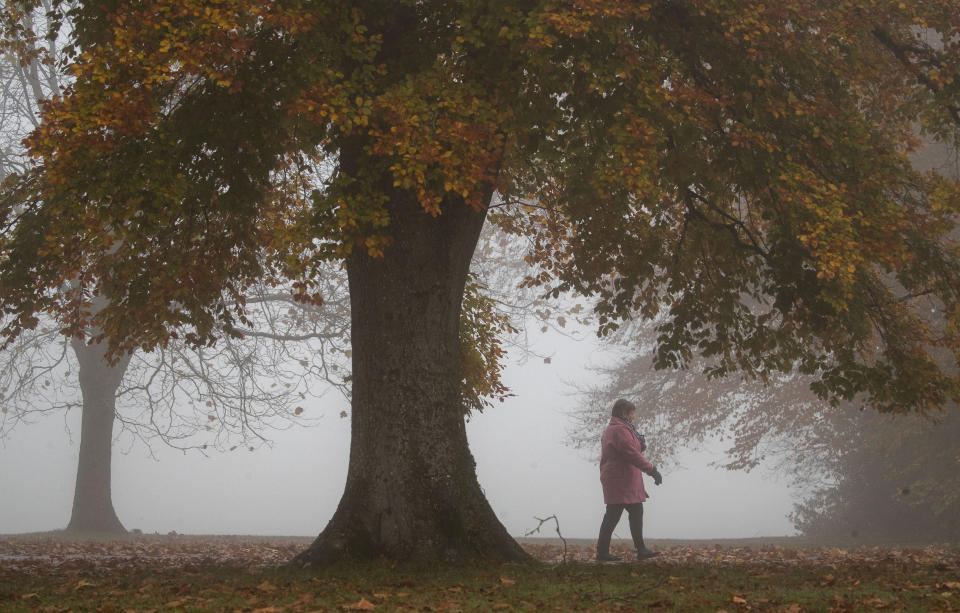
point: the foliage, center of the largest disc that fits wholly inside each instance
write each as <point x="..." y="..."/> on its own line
<point x="692" y="155"/>
<point x="854" y="472"/>
<point x="172" y="574"/>
<point x="482" y="328"/>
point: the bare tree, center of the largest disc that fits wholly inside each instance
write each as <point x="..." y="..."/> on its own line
<point x="257" y="377"/>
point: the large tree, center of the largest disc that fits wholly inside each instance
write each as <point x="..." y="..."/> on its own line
<point x="678" y="156"/>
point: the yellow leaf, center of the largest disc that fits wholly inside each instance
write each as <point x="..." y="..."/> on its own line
<point x="362" y="605"/>
<point x="266" y="586"/>
<point x="739" y="600"/>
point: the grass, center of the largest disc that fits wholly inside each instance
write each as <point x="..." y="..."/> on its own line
<point x="162" y="574"/>
<point x="531" y="587"/>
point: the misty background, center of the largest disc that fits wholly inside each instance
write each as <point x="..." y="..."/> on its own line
<point x="525" y="464"/>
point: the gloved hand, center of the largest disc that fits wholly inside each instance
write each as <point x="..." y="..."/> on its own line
<point x="657" y="477"/>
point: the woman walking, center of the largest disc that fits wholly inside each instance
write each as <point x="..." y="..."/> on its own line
<point x="621" y="474"/>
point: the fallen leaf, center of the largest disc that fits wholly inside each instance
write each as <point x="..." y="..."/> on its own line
<point x="739" y="600"/>
<point x="83" y="583"/>
<point x="30" y="596"/>
<point x="506" y="581"/>
<point x="266" y="586"/>
<point x="362" y="605"/>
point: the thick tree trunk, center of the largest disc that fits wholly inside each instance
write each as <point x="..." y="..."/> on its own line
<point x="411" y="491"/>
<point x="92" y="503"/>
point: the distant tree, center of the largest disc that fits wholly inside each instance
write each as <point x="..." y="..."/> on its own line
<point x="694" y="159"/>
<point x="253" y="379"/>
<point x="222" y="396"/>
<point x="889" y="477"/>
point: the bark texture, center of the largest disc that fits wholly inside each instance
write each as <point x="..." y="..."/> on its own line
<point x="411" y="491"/>
<point x="92" y="501"/>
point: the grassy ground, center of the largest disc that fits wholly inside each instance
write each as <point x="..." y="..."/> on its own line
<point x="237" y="574"/>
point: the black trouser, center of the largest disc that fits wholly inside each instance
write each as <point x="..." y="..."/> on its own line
<point x="610" y="520"/>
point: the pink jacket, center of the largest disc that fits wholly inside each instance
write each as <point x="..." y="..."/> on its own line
<point x="622" y="465"/>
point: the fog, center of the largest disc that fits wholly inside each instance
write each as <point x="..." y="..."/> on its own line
<point x="292" y="488"/>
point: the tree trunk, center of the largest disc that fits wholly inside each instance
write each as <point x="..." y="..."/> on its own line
<point x="411" y="491"/>
<point x="92" y="503"/>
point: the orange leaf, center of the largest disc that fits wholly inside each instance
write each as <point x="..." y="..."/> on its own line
<point x="362" y="605"/>
<point x="83" y="583"/>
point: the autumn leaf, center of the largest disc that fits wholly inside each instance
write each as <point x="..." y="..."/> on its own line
<point x="361" y="605"/>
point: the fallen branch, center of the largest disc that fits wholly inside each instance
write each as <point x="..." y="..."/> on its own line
<point x="555" y="521"/>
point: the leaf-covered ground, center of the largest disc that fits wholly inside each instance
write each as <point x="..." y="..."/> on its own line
<point x="179" y="573"/>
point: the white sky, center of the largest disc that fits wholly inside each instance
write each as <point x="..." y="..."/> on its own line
<point x="523" y="463"/>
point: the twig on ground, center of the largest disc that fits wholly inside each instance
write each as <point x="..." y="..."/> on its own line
<point x="555" y="521"/>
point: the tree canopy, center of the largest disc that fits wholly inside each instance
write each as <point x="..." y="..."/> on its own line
<point x="692" y="153"/>
<point x="739" y="169"/>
